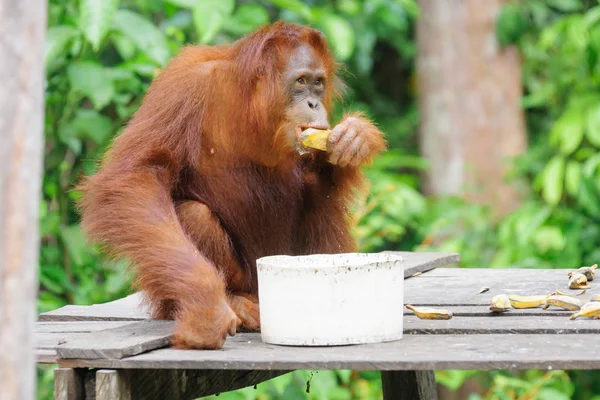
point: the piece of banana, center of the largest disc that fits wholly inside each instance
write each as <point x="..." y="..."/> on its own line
<point x="315" y="138"/>
<point x="589" y="310"/>
<point x="430" y="312"/>
<point x="569" y="294"/>
<point x="565" y="302"/>
<point x="596" y="298"/>
<point x="589" y="272"/>
<point x="500" y="303"/>
<point x="517" y="301"/>
<point x="578" y="281"/>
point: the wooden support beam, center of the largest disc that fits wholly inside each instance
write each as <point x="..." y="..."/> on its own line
<point x="172" y="384"/>
<point x="409" y="385"/>
<point x="113" y="385"/>
<point x="22" y="34"/>
<point x="68" y="384"/>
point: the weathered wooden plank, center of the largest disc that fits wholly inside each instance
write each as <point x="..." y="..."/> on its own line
<point x="461" y="286"/>
<point x="77" y="326"/>
<point x="130" y="308"/>
<point x="424" y="261"/>
<point x="113" y="385"/>
<point x="120" y="342"/>
<point x="50" y="335"/>
<point x="68" y="384"/>
<point x="413" y="352"/>
<point x="408" y="385"/>
<point x="51" y="340"/>
<point x="500" y="323"/>
<point x="45" y="356"/>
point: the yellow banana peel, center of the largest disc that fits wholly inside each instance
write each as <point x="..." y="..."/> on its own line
<point x="569" y="294"/>
<point x="578" y="281"/>
<point x="589" y="272"/>
<point x="589" y="310"/>
<point x="500" y="303"/>
<point x="430" y="312"/>
<point x="517" y="301"/>
<point x="565" y="302"/>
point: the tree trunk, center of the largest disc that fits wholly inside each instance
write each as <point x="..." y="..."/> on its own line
<point x="470" y="88"/>
<point x="22" y="33"/>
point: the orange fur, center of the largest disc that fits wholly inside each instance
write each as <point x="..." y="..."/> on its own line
<point x="199" y="185"/>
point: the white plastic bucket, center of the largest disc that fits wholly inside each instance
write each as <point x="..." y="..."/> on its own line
<point x="331" y="299"/>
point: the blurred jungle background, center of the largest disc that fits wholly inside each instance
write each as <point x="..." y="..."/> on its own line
<point x="491" y="108"/>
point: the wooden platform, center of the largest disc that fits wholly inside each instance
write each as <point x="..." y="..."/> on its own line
<point x="119" y="336"/>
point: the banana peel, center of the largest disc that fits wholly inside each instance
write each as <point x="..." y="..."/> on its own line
<point x="578" y="281"/>
<point x="589" y="310"/>
<point x="569" y="294"/>
<point x="565" y="302"/>
<point x="315" y="138"/>
<point x="430" y="312"/>
<point x="500" y="303"/>
<point x="589" y="272"/>
<point x="517" y="301"/>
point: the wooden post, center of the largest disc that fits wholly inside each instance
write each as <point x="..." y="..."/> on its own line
<point x="113" y="385"/>
<point x="22" y="34"/>
<point x="409" y="385"/>
<point x="68" y="384"/>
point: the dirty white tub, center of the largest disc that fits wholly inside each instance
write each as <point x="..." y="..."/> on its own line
<point x="337" y="299"/>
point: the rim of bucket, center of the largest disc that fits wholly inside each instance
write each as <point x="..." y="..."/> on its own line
<point x="353" y="261"/>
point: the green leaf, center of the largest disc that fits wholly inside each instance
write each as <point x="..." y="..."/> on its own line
<point x="589" y="196"/>
<point x="593" y="125"/>
<point x="411" y="7"/>
<point x="92" y="80"/>
<point x="322" y="382"/>
<point x="209" y="16"/>
<point x="95" y="19"/>
<point x="510" y="24"/>
<point x="565" y="5"/>
<point x="147" y="37"/>
<point x="293" y="392"/>
<point x="552" y="394"/>
<point x="89" y="124"/>
<point x="591" y="165"/>
<point x="247" y="18"/>
<point x="124" y="46"/>
<point x="453" y="379"/>
<point x="344" y="375"/>
<point x="183" y="3"/>
<point x="572" y="177"/>
<point x="57" y="39"/>
<point x="74" y="241"/>
<point x="568" y="130"/>
<point x="550" y="238"/>
<point x="349" y="7"/>
<point x="339" y="33"/>
<point x="296" y="6"/>
<point x="552" y="188"/>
